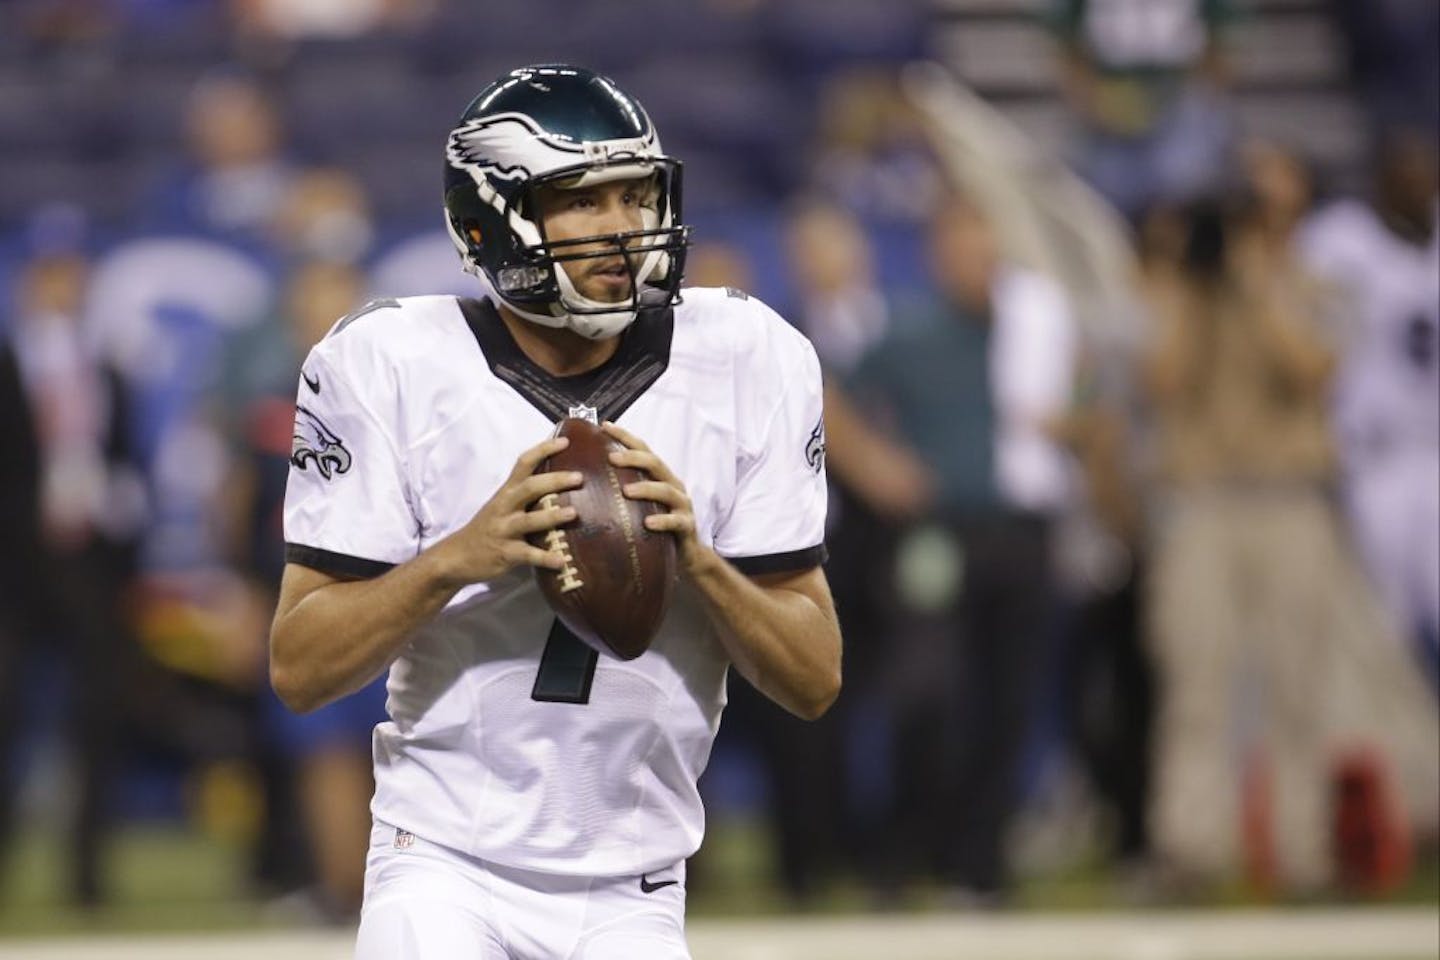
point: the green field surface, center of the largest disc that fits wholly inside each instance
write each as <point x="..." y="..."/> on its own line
<point x="178" y="893"/>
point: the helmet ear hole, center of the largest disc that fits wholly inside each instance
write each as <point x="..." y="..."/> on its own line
<point x="472" y="232"/>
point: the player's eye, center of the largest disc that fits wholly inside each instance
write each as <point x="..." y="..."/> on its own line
<point x="640" y="198"/>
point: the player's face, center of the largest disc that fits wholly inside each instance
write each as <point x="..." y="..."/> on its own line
<point x="603" y="209"/>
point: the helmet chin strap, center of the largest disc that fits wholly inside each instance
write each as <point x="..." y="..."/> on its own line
<point x="598" y="318"/>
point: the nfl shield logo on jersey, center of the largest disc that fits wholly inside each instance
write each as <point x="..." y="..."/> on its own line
<point x="583" y="412"/>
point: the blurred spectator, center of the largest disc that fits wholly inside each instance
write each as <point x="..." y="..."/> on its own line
<point x="236" y="173"/>
<point x="1245" y="546"/>
<point x="1147" y="84"/>
<point x="840" y="307"/>
<point x="64" y="24"/>
<point x="1050" y="222"/>
<point x="322" y="19"/>
<point x="800" y="761"/>
<point x="1382" y="261"/>
<point x="872" y="153"/>
<point x="837" y="304"/>
<point x="317" y="766"/>
<point x="973" y="382"/>
<point x="71" y="506"/>
<point x="1108" y="697"/>
<point x="715" y="263"/>
<point x="158" y="312"/>
<point x="325" y="215"/>
<point x="329" y="749"/>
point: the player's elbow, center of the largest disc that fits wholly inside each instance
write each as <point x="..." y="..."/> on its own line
<point x="820" y="697"/>
<point x="289" y="681"/>
<point x="292" y="692"/>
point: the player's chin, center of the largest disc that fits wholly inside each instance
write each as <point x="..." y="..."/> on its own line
<point x="606" y="289"/>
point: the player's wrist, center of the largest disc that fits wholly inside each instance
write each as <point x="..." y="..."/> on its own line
<point x="697" y="561"/>
<point x="443" y="565"/>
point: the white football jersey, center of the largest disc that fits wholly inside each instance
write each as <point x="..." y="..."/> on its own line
<point x="1387" y="391"/>
<point x="411" y="415"/>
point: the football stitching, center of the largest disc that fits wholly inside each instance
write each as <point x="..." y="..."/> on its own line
<point x="627" y="528"/>
<point x="556" y="540"/>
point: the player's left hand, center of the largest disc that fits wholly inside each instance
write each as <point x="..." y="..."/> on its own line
<point x="665" y="489"/>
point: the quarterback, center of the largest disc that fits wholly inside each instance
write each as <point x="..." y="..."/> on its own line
<point x="524" y="810"/>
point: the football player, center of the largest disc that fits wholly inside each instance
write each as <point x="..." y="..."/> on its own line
<point x="535" y="799"/>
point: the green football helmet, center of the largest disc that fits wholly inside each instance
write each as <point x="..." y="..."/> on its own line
<point x="569" y="127"/>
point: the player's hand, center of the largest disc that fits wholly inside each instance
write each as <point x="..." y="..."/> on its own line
<point x="493" y="542"/>
<point x="663" y="488"/>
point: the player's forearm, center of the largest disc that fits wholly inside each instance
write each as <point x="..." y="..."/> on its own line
<point x="783" y="641"/>
<point x="342" y="635"/>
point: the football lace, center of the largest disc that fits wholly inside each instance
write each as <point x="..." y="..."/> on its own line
<point x="557" y="541"/>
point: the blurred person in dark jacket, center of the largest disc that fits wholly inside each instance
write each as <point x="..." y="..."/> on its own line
<point x="972" y="381"/>
<point x="70" y="503"/>
<point x="1108" y="696"/>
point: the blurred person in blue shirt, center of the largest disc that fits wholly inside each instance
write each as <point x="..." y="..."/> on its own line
<point x="236" y="172"/>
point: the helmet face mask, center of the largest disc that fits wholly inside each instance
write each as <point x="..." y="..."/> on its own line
<point x="561" y="128"/>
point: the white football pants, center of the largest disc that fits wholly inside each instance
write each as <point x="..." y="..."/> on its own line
<point x="428" y="902"/>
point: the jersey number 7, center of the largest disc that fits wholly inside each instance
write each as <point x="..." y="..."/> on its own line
<point x="567" y="668"/>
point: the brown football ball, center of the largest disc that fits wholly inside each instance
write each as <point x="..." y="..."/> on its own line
<point x="615" y="587"/>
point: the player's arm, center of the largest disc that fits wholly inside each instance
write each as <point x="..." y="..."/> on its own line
<point x="780" y="629"/>
<point x="330" y="637"/>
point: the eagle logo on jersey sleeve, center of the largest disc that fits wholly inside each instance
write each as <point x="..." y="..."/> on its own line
<point x="815" y="447"/>
<point x="316" y="443"/>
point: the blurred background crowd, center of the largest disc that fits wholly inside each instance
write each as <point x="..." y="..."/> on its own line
<point x="1129" y="315"/>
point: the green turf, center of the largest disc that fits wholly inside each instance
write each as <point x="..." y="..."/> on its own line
<point x="160" y="877"/>
<point x="168" y="877"/>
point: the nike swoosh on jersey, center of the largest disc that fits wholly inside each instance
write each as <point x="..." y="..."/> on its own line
<point x="312" y="382"/>
<point x="647" y="887"/>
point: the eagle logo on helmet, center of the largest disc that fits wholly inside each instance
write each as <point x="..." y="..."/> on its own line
<point x="513" y="147"/>
<point x="489" y="143"/>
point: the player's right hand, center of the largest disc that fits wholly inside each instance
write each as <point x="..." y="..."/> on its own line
<point x="493" y="542"/>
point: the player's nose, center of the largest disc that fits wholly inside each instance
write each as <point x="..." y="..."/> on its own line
<point x="619" y="217"/>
